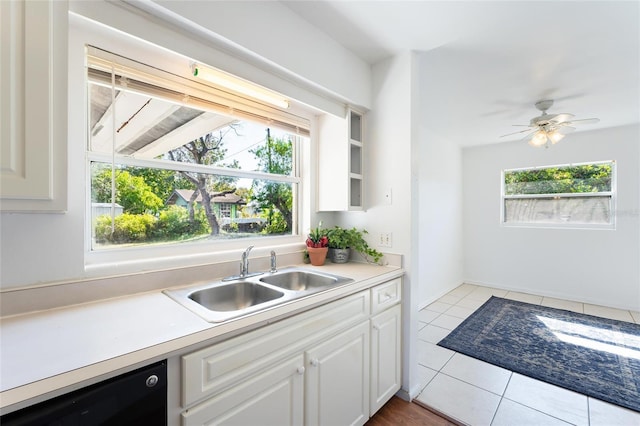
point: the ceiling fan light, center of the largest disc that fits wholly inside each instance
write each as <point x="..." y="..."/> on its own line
<point x="538" y="139"/>
<point x="555" y="136"/>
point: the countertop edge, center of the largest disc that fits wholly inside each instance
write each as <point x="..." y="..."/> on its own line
<point x="23" y="395"/>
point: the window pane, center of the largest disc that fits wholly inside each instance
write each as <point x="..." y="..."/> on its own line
<point x="156" y="206"/>
<point x="155" y="136"/>
<point x="558" y="210"/>
<point x="562" y="195"/>
<point x="555" y="180"/>
<point x="148" y="127"/>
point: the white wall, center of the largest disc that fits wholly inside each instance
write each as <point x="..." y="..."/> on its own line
<point x="390" y="165"/>
<point x="439" y="220"/>
<point x="593" y="266"/>
<point x="271" y="30"/>
<point x="440" y="214"/>
<point x="47" y="248"/>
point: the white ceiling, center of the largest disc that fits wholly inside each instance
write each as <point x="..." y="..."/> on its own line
<point x="484" y="64"/>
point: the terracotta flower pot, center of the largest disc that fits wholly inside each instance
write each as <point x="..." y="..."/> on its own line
<point x="317" y="255"/>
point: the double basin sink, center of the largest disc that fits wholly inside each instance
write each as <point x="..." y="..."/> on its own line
<point x="224" y="300"/>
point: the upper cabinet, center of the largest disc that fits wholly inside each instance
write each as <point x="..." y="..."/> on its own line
<point x="33" y="105"/>
<point x="340" y="162"/>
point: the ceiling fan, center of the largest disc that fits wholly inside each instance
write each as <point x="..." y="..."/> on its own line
<point x="549" y="127"/>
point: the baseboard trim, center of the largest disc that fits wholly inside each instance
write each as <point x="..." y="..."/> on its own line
<point x="553" y="294"/>
<point x="439" y="413"/>
<point x="404" y="395"/>
<point x="432" y="299"/>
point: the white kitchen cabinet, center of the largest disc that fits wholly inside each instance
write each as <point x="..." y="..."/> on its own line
<point x="225" y="364"/>
<point x="336" y="364"/>
<point x="386" y="344"/>
<point x="33" y="109"/>
<point x="235" y="379"/>
<point x="340" y="162"/>
<point x="273" y="397"/>
<point x="337" y="379"/>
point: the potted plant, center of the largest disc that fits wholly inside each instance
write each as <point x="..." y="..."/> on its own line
<point x="342" y="241"/>
<point x="317" y="245"/>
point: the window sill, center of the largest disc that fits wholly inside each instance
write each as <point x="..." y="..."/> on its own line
<point x="576" y="226"/>
<point x="144" y="259"/>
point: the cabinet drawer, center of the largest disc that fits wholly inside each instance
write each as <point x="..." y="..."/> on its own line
<point x="385" y="295"/>
<point x="213" y="369"/>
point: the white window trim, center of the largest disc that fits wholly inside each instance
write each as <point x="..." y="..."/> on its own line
<point x="582" y="226"/>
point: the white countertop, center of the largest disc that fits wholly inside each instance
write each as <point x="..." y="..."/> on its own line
<point x="48" y="350"/>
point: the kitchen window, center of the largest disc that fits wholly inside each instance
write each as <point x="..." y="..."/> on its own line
<point x="569" y="195"/>
<point x="173" y="160"/>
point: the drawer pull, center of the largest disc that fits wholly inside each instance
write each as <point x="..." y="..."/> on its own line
<point x="300" y="370"/>
<point x="315" y="362"/>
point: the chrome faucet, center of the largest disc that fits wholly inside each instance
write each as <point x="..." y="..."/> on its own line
<point x="273" y="262"/>
<point x="244" y="265"/>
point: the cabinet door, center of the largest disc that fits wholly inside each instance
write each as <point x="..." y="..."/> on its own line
<point x="340" y="162"/>
<point x="273" y="397"/>
<point x="33" y="105"/>
<point x="385" y="356"/>
<point x="337" y="381"/>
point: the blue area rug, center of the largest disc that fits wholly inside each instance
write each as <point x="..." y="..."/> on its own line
<point x="594" y="356"/>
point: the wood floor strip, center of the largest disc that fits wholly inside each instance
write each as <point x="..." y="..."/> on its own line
<point x="398" y="412"/>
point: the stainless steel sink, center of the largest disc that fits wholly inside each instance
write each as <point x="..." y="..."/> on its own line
<point x="300" y="280"/>
<point x="221" y="301"/>
<point x="234" y="297"/>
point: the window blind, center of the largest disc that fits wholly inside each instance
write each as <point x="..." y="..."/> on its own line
<point x="137" y="77"/>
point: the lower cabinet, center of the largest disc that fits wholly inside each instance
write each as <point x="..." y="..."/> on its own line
<point x="386" y="346"/>
<point x="337" y="379"/>
<point x="340" y="373"/>
<point x="272" y="397"/>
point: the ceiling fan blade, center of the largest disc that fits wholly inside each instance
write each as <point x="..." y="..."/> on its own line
<point x="517" y="133"/>
<point x="530" y="135"/>
<point x="560" y="118"/>
<point x="584" y="121"/>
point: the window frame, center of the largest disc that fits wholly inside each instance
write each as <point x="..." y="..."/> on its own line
<point x="195" y="253"/>
<point x="612" y="194"/>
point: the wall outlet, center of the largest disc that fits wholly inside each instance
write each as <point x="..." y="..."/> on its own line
<point x="385" y="239"/>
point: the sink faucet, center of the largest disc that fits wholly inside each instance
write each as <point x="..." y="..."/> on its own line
<point x="244" y="265"/>
<point x="273" y="262"/>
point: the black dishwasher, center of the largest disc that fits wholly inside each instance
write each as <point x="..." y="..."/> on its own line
<point x="135" y="398"/>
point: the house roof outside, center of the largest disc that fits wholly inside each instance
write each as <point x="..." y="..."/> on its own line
<point x="216" y="198"/>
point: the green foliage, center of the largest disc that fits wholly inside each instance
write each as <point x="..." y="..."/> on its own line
<point x="207" y="150"/>
<point x="162" y="182"/>
<point x="341" y="238"/>
<point x="132" y="192"/>
<point x="275" y="198"/>
<point x="317" y="237"/>
<point x="128" y="228"/>
<point x="556" y="180"/>
<point x="134" y="195"/>
<point x="171" y="224"/>
<point x="232" y="227"/>
<point x="277" y="224"/>
<point x="174" y="223"/>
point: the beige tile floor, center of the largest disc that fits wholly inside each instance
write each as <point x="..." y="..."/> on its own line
<point x="477" y="393"/>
